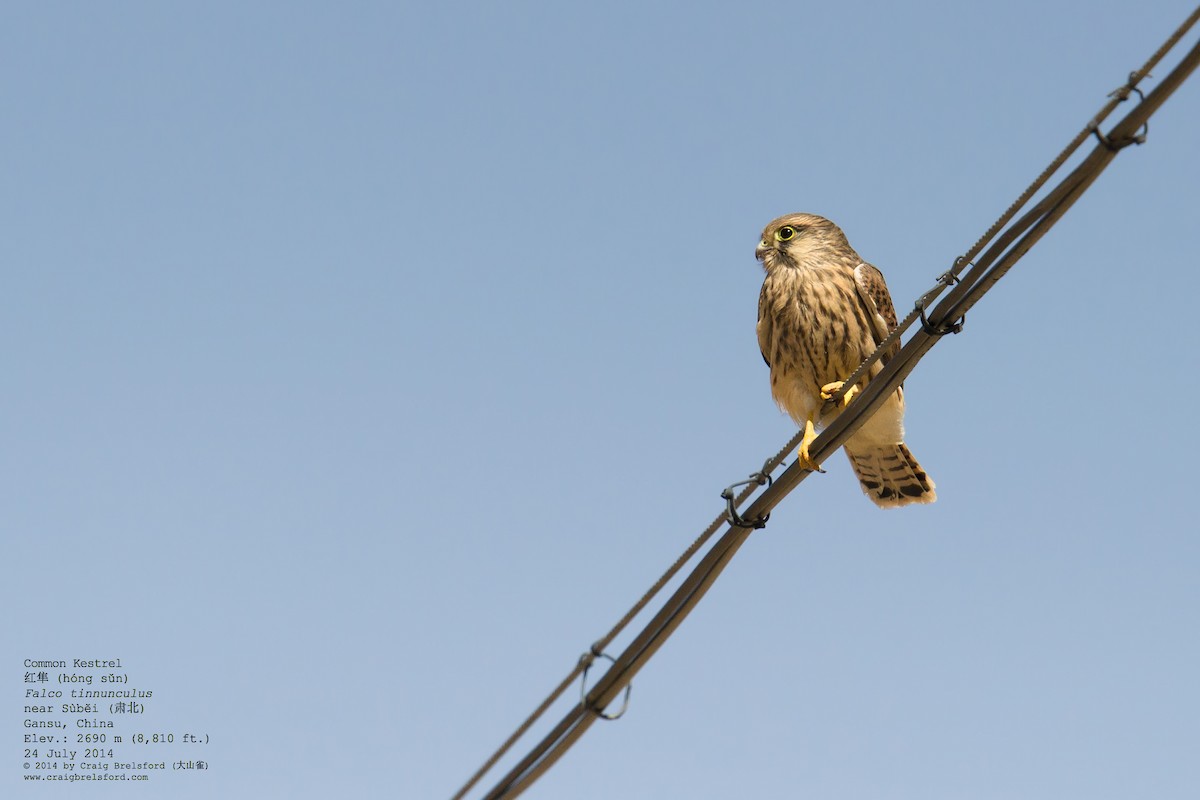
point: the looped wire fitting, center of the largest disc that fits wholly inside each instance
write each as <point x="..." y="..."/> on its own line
<point x="947" y="278"/>
<point x="587" y="659"/>
<point x="1122" y="94"/>
<point x="762" y="478"/>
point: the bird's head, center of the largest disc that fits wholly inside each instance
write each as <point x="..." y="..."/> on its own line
<point x="799" y="238"/>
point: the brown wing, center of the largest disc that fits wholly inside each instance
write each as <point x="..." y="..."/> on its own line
<point x="764" y="324"/>
<point x="873" y="294"/>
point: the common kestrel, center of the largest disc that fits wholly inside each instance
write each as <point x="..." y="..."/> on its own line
<point x="822" y="310"/>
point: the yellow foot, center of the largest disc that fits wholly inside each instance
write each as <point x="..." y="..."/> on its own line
<point x="806" y="461"/>
<point x="829" y="389"/>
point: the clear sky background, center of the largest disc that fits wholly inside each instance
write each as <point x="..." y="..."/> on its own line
<point x="365" y="362"/>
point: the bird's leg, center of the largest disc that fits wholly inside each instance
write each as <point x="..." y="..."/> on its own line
<point x="806" y="461"/>
<point x="829" y="389"/>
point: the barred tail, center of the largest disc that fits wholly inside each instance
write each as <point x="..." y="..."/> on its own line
<point x="890" y="476"/>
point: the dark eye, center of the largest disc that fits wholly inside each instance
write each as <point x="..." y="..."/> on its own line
<point x="785" y="233"/>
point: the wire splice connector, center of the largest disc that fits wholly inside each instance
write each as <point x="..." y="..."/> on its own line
<point x="586" y="660"/>
<point x="762" y="478"/>
<point x="1122" y="94"/>
<point x="947" y="278"/>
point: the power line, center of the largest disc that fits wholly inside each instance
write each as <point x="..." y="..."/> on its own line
<point x="967" y="287"/>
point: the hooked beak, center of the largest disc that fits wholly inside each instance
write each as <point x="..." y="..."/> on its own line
<point x="760" y="252"/>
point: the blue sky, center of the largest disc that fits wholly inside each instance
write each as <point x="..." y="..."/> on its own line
<point x="365" y="363"/>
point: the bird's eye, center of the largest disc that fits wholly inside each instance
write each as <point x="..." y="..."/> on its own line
<point x="785" y="233"/>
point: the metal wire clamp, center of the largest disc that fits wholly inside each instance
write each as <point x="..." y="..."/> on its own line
<point x="587" y="659"/>
<point x="1122" y="94"/>
<point x="762" y="478"/>
<point x="947" y="278"/>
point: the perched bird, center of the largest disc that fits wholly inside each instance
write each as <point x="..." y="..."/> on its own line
<point x="822" y="310"/>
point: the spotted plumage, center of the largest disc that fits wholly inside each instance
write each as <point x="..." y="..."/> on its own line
<point x="822" y="310"/>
